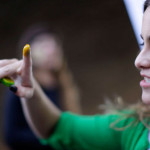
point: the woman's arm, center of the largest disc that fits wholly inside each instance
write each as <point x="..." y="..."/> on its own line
<point x="77" y="133"/>
<point x="40" y="113"/>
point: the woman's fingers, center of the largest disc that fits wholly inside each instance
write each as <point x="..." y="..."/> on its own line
<point x="5" y="62"/>
<point x="23" y="92"/>
<point x="26" y="92"/>
<point x="20" y="72"/>
<point x="10" y="69"/>
<point x="26" y="66"/>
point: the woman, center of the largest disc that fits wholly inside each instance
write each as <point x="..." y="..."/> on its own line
<point x="127" y="129"/>
<point x="53" y="75"/>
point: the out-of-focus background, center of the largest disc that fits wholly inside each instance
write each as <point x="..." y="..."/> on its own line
<point x="99" y="44"/>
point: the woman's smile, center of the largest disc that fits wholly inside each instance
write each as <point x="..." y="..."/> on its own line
<point x="145" y="83"/>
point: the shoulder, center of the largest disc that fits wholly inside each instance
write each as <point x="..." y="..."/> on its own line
<point x="119" y="119"/>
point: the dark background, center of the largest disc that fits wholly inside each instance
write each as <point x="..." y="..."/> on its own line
<point x="99" y="44"/>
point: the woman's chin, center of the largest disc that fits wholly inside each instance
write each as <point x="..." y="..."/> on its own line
<point x="146" y="97"/>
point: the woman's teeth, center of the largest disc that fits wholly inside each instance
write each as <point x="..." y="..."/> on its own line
<point x="147" y="79"/>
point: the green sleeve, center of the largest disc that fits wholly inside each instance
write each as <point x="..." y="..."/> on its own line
<point x="74" y="132"/>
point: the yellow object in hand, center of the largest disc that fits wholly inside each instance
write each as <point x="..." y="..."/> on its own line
<point x="7" y="81"/>
<point x="26" y="50"/>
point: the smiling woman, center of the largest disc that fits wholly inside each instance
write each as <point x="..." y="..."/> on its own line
<point x="123" y="129"/>
<point x="142" y="61"/>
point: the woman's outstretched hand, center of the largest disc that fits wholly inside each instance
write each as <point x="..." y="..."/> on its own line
<point x="39" y="108"/>
<point x="20" y="71"/>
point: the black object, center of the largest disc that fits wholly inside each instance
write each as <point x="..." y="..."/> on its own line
<point x="13" y="88"/>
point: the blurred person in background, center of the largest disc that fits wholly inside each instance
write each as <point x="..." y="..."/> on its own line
<point x="51" y="71"/>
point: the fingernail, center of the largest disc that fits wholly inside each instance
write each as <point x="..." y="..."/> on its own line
<point x="26" y="50"/>
<point x="13" y="88"/>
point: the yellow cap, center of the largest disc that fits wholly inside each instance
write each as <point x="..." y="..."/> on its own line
<point x="26" y="50"/>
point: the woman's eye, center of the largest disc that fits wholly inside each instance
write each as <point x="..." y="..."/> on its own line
<point x="141" y="44"/>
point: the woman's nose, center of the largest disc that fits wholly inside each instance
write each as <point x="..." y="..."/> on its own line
<point x="143" y="60"/>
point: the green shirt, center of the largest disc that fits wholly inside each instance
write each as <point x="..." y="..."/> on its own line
<point x="76" y="132"/>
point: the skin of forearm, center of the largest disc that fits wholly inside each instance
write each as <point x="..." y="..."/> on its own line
<point x="41" y="114"/>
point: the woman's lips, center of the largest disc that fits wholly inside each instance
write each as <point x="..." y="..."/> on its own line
<point x="145" y="83"/>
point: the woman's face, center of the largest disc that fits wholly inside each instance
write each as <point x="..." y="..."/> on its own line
<point x="46" y="53"/>
<point x="142" y="61"/>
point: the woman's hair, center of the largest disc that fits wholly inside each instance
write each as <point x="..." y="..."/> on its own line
<point x="138" y="111"/>
<point x="146" y="4"/>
